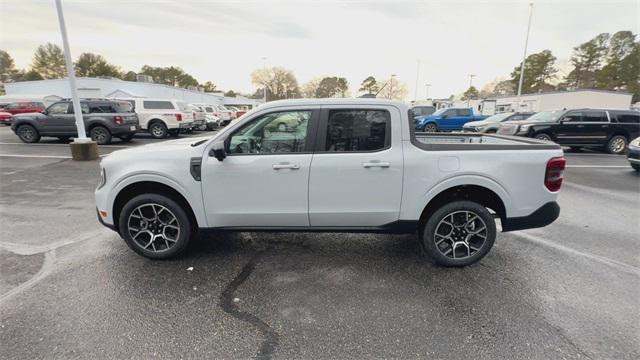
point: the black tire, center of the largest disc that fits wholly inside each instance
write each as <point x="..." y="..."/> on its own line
<point x="543" y="136"/>
<point x="431" y="128"/>
<point x="491" y="131"/>
<point x="156" y="249"/>
<point x="158" y="130"/>
<point x="100" y="134"/>
<point x="636" y="167"/>
<point x="476" y="247"/>
<point x="64" y="138"/>
<point x="617" y="145"/>
<point x="28" y="134"/>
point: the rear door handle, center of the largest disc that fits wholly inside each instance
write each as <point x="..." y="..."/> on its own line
<point x="285" y="166"/>
<point x="376" y="163"/>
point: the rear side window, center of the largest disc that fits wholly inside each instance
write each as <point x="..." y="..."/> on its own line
<point x="464" y="112"/>
<point x="626" y="117"/>
<point x="157" y="105"/>
<point x="594" y="116"/>
<point x="358" y="130"/>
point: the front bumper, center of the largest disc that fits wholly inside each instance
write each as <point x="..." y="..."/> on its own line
<point x="110" y="226"/>
<point x="544" y="216"/>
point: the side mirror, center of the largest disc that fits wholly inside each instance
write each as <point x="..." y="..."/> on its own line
<point x="218" y="151"/>
<point x="445" y="116"/>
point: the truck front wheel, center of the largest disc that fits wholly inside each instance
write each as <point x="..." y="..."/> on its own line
<point x="459" y="233"/>
<point x="155" y="226"/>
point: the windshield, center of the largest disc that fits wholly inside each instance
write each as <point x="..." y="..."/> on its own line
<point x="546" y="116"/>
<point x="497" y="118"/>
<point x="441" y="111"/>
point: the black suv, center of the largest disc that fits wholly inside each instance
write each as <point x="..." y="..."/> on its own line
<point x="610" y="130"/>
<point x="103" y="119"/>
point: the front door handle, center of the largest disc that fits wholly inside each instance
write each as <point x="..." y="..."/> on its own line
<point x="285" y="166"/>
<point x="376" y="163"/>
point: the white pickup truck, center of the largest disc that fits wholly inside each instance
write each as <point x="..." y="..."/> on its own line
<point x="336" y="165"/>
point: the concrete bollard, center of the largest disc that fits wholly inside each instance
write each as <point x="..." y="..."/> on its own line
<point x="84" y="150"/>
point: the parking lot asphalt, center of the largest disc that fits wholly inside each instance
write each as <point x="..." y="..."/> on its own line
<point x="70" y="288"/>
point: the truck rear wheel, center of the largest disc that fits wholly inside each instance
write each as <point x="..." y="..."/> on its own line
<point x="155" y="226"/>
<point x="617" y="145"/>
<point x="158" y="130"/>
<point x="459" y="234"/>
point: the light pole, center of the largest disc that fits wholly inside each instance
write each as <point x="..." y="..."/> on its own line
<point x="264" y="67"/>
<point x="391" y="86"/>
<point x="524" y="56"/>
<point x="415" y="95"/>
<point x="82" y="147"/>
<point x="426" y="95"/>
<point x="471" y="76"/>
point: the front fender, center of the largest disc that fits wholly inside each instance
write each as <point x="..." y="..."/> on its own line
<point x="193" y="199"/>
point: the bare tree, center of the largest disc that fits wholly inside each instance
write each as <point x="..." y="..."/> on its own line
<point x="393" y="89"/>
<point x="279" y="82"/>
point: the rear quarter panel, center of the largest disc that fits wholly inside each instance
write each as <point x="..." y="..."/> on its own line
<point x="517" y="177"/>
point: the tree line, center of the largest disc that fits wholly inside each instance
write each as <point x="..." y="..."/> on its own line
<point x="48" y="63"/>
<point x="606" y="62"/>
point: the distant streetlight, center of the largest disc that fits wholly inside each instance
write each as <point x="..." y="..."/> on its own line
<point x="524" y="56"/>
<point x="426" y="95"/>
<point x="471" y="76"/>
<point x="415" y="94"/>
<point x="264" y="67"/>
<point x="391" y="86"/>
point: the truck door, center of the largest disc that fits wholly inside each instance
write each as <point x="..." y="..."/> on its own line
<point x="462" y="116"/>
<point x="357" y="167"/>
<point x="264" y="180"/>
<point x="57" y="118"/>
<point x="582" y="127"/>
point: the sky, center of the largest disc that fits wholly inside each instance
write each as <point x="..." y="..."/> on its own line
<point x="224" y="41"/>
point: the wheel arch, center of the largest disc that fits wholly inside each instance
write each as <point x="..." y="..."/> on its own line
<point x="485" y="193"/>
<point x="136" y="188"/>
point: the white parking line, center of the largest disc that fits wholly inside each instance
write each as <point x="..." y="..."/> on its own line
<point x="113" y="146"/>
<point x="597" y="258"/>
<point x="36" y="156"/>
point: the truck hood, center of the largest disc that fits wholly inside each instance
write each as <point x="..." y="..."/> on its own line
<point x="477" y="123"/>
<point x="161" y="151"/>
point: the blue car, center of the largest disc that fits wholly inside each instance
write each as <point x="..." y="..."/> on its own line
<point x="633" y="154"/>
<point x="449" y="119"/>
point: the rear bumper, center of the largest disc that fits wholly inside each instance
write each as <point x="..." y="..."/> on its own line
<point x="124" y="129"/>
<point x="544" y="216"/>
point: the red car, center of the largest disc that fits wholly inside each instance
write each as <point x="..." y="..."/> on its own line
<point x="5" y="118"/>
<point x="23" y="107"/>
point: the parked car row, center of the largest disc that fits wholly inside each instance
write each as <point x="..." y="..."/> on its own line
<point x="610" y="130"/>
<point x="108" y="118"/>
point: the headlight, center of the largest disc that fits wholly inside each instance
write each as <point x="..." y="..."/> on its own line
<point x="524" y="128"/>
<point x="103" y="177"/>
<point x="635" y="142"/>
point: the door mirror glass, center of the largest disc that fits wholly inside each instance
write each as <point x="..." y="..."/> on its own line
<point x="217" y="151"/>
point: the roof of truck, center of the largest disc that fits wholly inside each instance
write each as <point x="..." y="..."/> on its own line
<point x="333" y="101"/>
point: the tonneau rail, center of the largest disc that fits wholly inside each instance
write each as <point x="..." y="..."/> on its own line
<point x="477" y="141"/>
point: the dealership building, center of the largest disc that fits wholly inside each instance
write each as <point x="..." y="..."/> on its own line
<point x="53" y="90"/>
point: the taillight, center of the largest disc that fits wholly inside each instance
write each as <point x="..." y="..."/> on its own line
<point x="553" y="174"/>
<point x="117" y="119"/>
<point x="178" y="117"/>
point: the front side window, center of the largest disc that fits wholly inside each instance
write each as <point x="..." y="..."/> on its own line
<point x="157" y="105"/>
<point x="357" y="130"/>
<point x="58" y="108"/>
<point x="274" y="133"/>
<point x="573" y="116"/>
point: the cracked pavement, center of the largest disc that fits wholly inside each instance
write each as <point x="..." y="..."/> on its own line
<point x="72" y="289"/>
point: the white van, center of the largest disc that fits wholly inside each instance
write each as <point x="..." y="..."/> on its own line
<point x="162" y="117"/>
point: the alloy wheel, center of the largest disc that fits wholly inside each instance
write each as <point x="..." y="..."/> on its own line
<point x="617" y="145"/>
<point x="27" y="133"/>
<point x="99" y="135"/>
<point x="430" y="128"/>
<point x="153" y="227"/>
<point x="157" y="131"/>
<point x="460" y="234"/>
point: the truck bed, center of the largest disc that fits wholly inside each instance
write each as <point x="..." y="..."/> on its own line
<point x="475" y="141"/>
